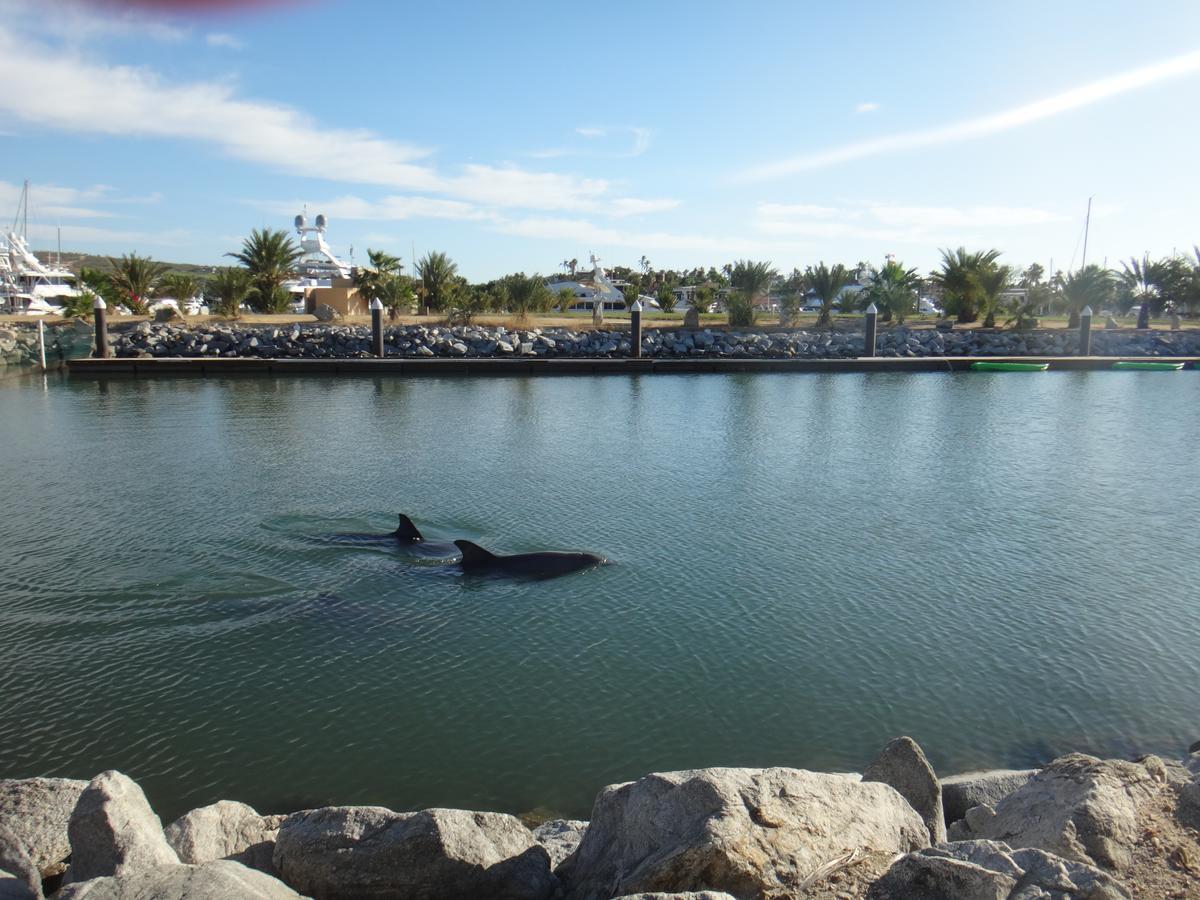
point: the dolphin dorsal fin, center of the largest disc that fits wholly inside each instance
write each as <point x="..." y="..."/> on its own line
<point x="473" y="553"/>
<point x="407" y="529"/>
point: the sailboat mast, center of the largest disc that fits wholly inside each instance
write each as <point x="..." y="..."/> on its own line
<point x="1086" y="224"/>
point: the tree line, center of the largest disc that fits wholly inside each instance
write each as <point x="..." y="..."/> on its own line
<point x="971" y="286"/>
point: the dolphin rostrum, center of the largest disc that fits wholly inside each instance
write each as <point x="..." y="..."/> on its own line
<point x="545" y="564"/>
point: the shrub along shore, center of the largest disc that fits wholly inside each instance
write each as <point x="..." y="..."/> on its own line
<point x="1080" y="827"/>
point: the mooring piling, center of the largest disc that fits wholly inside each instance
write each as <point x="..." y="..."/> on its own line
<point x="635" y="329"/>
<point x="100" y="314"/>
<point x="870" y="329"/>
<point x="377" y="327"/>
<point x="1085" y="332"/>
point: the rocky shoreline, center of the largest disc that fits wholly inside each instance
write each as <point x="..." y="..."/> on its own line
<point x="418" y="341"/>
<point x="1079" y="827"/>
<point x="142" y="340"/>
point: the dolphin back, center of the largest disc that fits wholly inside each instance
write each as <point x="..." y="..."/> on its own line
<point x="408" y="530"/>
<point x="474" y="555"/>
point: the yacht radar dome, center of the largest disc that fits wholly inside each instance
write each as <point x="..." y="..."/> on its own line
<point x="321" y="221"/>
<point x="300" y="222"/>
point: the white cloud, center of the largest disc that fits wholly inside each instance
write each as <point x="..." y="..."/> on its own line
<point x="56" y="88"/>
<point x="590" y="133"/>
<point x="387" y="209"/>
<point x="55" y="203"/>
<point x="866" y="107"/>
<point x="971" y="129"/>
<point x="632" y="206"/>
<point x="81" y="237"/>
<point x="585" y="233"/>
<point x="223" y="39"/>
<point x="78" y="23"/>
<point x="895" y="223"/>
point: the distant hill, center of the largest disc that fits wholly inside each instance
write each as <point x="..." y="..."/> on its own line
<point x="77" y="261"/>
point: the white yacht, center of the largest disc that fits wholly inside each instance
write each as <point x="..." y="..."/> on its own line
<point x="319" y="267"/>
<point x="28" y="285"/>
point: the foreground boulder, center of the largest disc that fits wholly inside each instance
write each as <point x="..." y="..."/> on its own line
<point x="679" y="895"/>
<point x="749" y="832"/>
<point x="36" y="811"/>
<point x="19" y="876"/>
<point x="1078" y="807"/>
<point x="903" y="765"/>
<point x="367" y="851"/>
<point x="961" y="792"/>
<point x="225" y="830"/>
<point x="988" y="870"/>
<point x="560" y="837"/>
<point x="114" y="831"/>
<point x="220" y="880"/>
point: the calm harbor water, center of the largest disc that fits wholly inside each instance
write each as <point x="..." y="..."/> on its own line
<point x="804" y="566"/>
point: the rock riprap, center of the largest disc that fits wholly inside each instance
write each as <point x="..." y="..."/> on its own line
<point x="990" y="870"/>
<point x="339" y="341"/>
<point x="225" y="830"/>
<point x="351" y="852"/>
<point x="560" y="837"/>
<point x="903" y="765"/>
<point x="753" y="833"/>
<point x="1078" y="807"/>
<point x="114" y="831"/>
<point x="986" y="788"/>
<point x="220" y="880"/>
<point x="37" y="812"/>
<point x="19" y="876"/>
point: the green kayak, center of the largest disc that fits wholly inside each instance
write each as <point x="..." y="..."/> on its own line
<point x="1009" y="367"/>
<point x="1148" y="366"/>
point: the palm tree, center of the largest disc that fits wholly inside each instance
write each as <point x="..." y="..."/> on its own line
<point x="1090" y="286"/>
<point x="893" y="290"/>
<point x="751" y="278"/>
<point x="959" y="278"/>
<point x="270" y="256"/>
<point x="1139" y="281"/>
<point x="228" y="287"/>
<point x="437" y="271"/>
<point x="135" y="278"/>
<point x="566" y="298"/>
<point x="526" y="294"/>
<point x="573" y="264"/>
<point x="180" y="287"/>
<point x="702" y="299"/>
<point x="993" y="281"/>
<point x="826" y="282"/>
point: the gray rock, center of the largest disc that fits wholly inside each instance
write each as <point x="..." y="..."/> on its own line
<point x="166" y="314"/>
<point x="961" y="792"/>
<point x="218" y="880"/>
<point x="560" y="837"/>
<point x="225" y="830"/>
<point x="19" y="875"/>
<point x="1078" y="807"/>
<point x="14" y="887"/>
<point x="325" y="313"/>
<point x="36" y="811"/>
<point x="368" y="851"/>
<point x="903" y="765"/>
<point x="679" y="895"/>
<point x="1189" y="804"/>
<point x="114" y="831"/>
<point x="989" y="870"/>
<point x="750" y="832"/>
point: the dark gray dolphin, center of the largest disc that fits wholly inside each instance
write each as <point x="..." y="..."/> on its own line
<point x="406" y="535"/>
<point x="545" y="564"/>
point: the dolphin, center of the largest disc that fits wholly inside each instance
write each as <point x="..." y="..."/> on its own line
<point x="545" y="564"/>
<point x="407" y="534"/>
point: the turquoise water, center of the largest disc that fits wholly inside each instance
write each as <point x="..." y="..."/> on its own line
<point x="804" y="566"/>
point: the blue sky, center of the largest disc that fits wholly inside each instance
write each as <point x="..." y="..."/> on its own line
<point x="516" y="135"/>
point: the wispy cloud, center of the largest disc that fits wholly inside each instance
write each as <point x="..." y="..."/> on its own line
<point x="63" y="91"/>
<point x="971" y="129"/>
<point x="895" y="223"/>
<point x="223" y="39"/>
<point x="56" y="203"/>
<point x="590" y="132"/>
<point x="78" y="22"/>
<point x="587" y="233"/>
<point x="866" y="107"/>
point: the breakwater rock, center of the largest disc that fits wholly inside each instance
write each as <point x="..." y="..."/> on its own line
<point x="334" y="341"/>
<point x="1079" y="828"/>
<point x="19" y="345"/>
